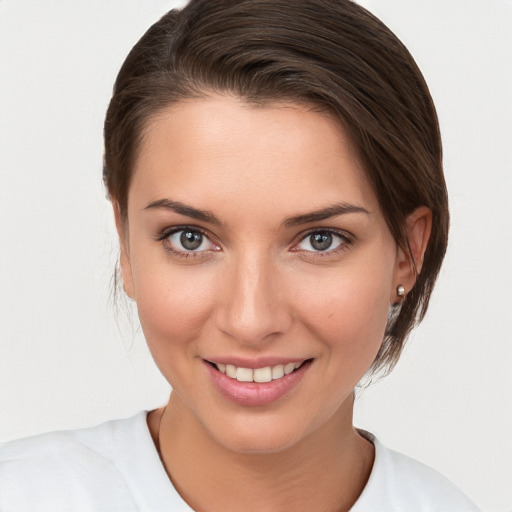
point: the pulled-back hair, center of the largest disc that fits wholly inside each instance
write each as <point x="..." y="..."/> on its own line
<point x="332" y="54"/>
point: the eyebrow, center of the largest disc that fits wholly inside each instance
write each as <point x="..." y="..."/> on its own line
<point x="305" y="218"/>
<point x="325" y="213"/>
<point x="184" y="209"/>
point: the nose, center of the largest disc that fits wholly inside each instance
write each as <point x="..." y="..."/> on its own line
<point x="252" y="307"/>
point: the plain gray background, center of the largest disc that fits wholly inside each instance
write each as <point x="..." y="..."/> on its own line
<point x="65" y="361"/>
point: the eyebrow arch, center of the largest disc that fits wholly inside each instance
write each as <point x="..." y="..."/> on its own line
<point x="183" y="209"/>
<point x="325" y="213"/>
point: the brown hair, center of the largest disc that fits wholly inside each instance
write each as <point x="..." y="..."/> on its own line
<point x="330" y="53"/>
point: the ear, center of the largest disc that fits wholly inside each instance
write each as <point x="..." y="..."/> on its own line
<point x="126" y="268"/>
<point x="408" y="265"/>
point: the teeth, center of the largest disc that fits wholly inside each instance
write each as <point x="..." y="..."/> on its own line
<point x="278" y="371"/>
<point x="266" y="374"/>
<point x="289" y="368"/>
<point x="231" y="371"/>
<point x="244" y="374"/>
<point x="263" y="374"/>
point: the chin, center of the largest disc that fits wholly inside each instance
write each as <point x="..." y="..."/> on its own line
<point x="258" y="443"/>
<point x="259" y="434"/>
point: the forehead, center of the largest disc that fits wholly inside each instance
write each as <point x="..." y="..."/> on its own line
<point x="222" y="147"/>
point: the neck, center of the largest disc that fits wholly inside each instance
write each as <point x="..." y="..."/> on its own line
<point x="326" y="470"/>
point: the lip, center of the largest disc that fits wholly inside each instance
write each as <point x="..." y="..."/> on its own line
<point x="254" y="363"/>
<point x="254" y="394"/>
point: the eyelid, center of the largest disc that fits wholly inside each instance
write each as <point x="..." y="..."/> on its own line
<point x="170" y="230"/>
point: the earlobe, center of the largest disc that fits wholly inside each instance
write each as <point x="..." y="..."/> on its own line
<point x="409" y="262"/>
<point x="125" y="264"/>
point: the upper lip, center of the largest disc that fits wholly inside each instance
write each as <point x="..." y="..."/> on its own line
<point x="259" y="362"/>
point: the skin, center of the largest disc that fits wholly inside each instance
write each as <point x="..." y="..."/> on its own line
<point x="256" y="288"/>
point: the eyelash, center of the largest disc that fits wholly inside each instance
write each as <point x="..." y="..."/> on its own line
<point x="346" y="241"/>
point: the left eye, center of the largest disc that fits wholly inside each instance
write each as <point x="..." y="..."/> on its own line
<point x="190" y="240"/>
<point x="321" y="241"/>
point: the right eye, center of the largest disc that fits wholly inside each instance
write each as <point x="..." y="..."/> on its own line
<point x="189" y="240"/>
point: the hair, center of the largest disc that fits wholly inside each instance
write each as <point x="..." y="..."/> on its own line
<point x="332" y="54"/>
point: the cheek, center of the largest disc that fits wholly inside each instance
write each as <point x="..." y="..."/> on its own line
<point x="348" y="311"/>
<point x="173" y="305"/>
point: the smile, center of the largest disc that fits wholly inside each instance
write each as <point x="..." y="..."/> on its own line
<point x="266" y="374"/>
<point x="256" y="386"/>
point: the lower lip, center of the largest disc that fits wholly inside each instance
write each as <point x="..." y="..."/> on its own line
<point x="255" y="394"/>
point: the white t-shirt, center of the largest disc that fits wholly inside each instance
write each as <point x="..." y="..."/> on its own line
<point x="114" y="467"/>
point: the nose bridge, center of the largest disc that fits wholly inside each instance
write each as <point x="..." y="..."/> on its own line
<point x="253" y="307"/>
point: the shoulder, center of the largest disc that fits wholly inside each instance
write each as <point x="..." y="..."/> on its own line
<point x="400" y="483"/>
<point x="57" y="470"/>
<point x="101" y="442"/>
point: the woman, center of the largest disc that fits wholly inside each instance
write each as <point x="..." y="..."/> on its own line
<point x="275" y="173"/>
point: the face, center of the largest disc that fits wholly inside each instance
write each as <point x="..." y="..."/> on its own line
<point x="262" y="267"/>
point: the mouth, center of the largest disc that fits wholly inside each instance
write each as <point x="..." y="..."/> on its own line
<point x="256" y="386"/>
<point x="259" y="375"/>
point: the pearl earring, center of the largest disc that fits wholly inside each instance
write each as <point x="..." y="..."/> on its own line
<point x="400" y="291"/>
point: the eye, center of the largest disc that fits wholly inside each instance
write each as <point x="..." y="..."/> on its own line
<point x="322" y="241"/>
<point x="188" y="240"/>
